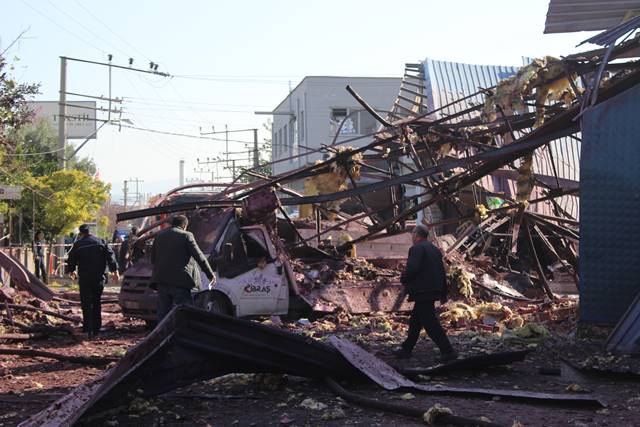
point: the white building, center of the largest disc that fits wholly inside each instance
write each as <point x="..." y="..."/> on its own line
<point x="312" y="113"/>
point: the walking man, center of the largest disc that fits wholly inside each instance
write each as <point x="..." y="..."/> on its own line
<point x="39" y="247"/>
<point x="92" y="256"/>
<point x="425" y="281"/>
<point x="174" y="255"/>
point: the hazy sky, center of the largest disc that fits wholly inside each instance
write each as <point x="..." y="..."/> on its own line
<point x="234" y="57"/>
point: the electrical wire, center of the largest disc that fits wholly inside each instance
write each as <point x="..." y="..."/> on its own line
<point x="204" y="120"/>
<point x="187" y="108"/>
<point x="161" y="132"/>
<point x="183" y="101"/>
<point x="22" y="33"/>
<point x="82" y="39"/>
<point x="168" y="149"/>
<point x="110" y="30"/>
<point x="230" y="80"/>
<point x="106" y="42"/>
<point x="38" y="192"/>
<point x="34" y="154"/>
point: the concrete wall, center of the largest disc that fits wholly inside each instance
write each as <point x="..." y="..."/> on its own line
<point x="312" y="103"/>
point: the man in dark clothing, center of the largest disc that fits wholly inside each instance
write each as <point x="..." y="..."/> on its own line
<point x="92" y="256"/>
<point x="174" y="271"/>
<point x="130" y="253"/>
<point x="425" y="281"/>
<point x="39" y="247"/>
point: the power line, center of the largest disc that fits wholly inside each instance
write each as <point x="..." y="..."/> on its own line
<point x="8" y="174"/>
<point x="110" y="30"/>
<point x="153" y="71"/>
<point x="188" y="108"/>
<point x="230" y="80"/>
<point x="82" y="39"/>
<point x="22" y="33"/>
<point x="106" y="42"/>
<point x="33" y="154"/>
<point x="162" y="132"/>
<point x="183" y="101"/>
<point x="240" y="76"/>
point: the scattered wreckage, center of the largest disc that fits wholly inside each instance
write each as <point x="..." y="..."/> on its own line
<point x="192" y="345"/>
<point x="519" y="235"/>
<point x="513" y="248"/>
<point x="255" y="273"/>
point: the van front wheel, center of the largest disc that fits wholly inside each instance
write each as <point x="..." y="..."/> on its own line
<point x="214" y="302"/>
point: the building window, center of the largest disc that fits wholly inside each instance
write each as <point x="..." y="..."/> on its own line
<point x="367" y="123"/>
<point x="279" y="146"/>
<point x="341" y="120"/>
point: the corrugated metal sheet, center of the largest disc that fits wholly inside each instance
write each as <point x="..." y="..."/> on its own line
<point x="625" y="338"/>
<point x="446" y="82"/>
<point x="610" y="202"/>
<point x="565" y="16"/>
<point x="608" y="37"/>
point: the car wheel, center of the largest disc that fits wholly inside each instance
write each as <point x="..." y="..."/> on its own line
<point x="216" y="303"/>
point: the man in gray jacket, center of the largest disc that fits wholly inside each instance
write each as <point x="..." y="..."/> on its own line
<point x="174" y="271"/>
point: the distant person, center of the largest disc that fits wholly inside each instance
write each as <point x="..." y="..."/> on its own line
<point x="68" y="240"/>
<point x="130" y="252"/>
<point x="39" y="250"/>
<point x="93" y="257"/>
<point x="174" y="271"/>
<point x="115" y="235"/>
<point x="425" y="281"/>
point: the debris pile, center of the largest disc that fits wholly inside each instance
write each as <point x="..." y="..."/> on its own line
<point x="29" y="310"/>
<point x="29" y="318"/>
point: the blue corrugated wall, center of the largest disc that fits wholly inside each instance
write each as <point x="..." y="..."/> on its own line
<point x="610" y="208"/>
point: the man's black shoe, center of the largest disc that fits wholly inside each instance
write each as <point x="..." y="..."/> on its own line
<point x="401" y="353"/>
<point x="448" y="357"/>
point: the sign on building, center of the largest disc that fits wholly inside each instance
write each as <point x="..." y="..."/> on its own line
<point x="10" y="192"/>
<point x="80" y="117"/>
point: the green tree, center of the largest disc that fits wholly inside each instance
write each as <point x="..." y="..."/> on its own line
<point x="65" y="199"/>
<point x="14" y="111"/>
<point x="35" y="151"/>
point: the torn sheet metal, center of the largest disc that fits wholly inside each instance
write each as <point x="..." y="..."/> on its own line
<point x="385" y="376"/>
<point x="359" y="297"/>
<point x="470" y="363"/>
<point x="625" y="337"/>
<point x="192" y="345"/>
<point x="23" y="278"/>
<point x="610" y="36"/>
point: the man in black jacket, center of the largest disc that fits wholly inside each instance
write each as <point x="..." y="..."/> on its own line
<point x="425" y="281"/>
<point x="174" y="271"/>
<point x="39" y="249"/>
<point x="92" y="256"/>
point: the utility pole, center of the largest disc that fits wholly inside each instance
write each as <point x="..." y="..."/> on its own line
<point x="62" y="115"/>
<point x="256" y="153"/>
<point x="135" y="181"/>
<point x="62" y="137"/>
<point x="125" y="191"/>
<point x="181" y="173"/>
<point x="226" y="143"/>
